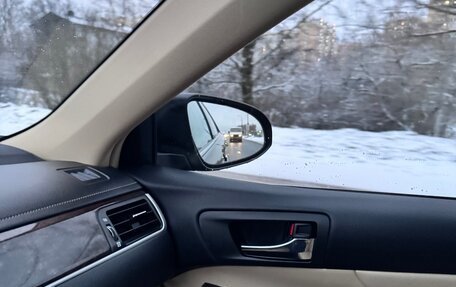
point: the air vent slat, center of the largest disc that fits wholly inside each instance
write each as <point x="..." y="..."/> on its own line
<point x="138" y="227"/>
<point x="134" y="220"/>
<point x="128" y="224"/>
<point x="111" y="213"/>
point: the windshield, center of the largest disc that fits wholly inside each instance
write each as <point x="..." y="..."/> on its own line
<point x="47" y="48"/>
<point x="236" y="130"/>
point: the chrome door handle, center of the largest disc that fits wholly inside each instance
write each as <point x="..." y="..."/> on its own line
<point x="296" y="248"/>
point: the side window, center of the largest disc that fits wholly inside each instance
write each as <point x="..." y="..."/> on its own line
<point x="361" y="95"/>
<point x="198" y="125"/>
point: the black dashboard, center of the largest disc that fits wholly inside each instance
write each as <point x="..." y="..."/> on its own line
<point x="66" y="224"/>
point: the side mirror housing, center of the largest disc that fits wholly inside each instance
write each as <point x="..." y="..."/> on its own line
<point x="198" y="132"/>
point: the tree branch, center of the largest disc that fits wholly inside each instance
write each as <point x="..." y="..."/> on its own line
<point x="223" y="82"/>
<point x="433" y="33"/>
<point x="270" y="87"/>
<point x="434" y="8"/>
<point x="236" y="64"/>
<point x="284" y="34"/>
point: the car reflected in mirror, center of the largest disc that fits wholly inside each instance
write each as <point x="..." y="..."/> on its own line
<point x="223" y="134"/>
<point x="205" y="133"/>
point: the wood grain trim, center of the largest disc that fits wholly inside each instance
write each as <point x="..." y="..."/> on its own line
<point x="9" y="234"/>
<point x="40" y="252"/>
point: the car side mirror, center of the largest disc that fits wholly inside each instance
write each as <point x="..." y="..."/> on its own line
<point x="198" y="132"/>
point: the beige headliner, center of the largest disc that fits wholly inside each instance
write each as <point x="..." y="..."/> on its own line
<point x="180" y="42"/>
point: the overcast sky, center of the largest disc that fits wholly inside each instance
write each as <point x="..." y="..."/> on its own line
<point x="348" y="15"/>
<point x="345" y="15"/>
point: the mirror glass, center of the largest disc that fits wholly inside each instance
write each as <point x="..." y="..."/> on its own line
<point x="223" y="134"/>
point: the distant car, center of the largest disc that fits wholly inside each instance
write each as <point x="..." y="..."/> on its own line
<point x="235" y="135"/>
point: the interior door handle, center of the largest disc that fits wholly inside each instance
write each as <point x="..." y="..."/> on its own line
<point x="296" y="248"/>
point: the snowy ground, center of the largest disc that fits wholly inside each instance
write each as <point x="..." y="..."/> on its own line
<point x="14" y="118"/>
<point x="394" y="162"/>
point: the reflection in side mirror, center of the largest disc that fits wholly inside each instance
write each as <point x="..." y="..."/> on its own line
<point x="223" y="134"/>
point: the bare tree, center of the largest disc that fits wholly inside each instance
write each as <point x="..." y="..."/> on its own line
<point x="253" y="64"/>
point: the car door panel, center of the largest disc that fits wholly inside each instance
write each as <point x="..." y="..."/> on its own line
<point x="225" y="231"/>
<point x="367" y="231"/>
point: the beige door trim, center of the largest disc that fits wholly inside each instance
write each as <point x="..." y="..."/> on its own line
<point x="240" y="276"/>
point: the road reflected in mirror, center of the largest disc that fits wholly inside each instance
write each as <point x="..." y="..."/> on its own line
<point x="223" y="134"/>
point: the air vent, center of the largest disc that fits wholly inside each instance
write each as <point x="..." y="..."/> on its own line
<point x="134" y="220"/>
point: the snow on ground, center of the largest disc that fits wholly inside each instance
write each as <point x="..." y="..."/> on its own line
<point x="393" y="162"/>
<point x="14" y="118"/>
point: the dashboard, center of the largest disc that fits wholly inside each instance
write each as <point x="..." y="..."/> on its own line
<point x="66" y="224"/>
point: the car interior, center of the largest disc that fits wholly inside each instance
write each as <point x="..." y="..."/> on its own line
<point x="110" y="189"/>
